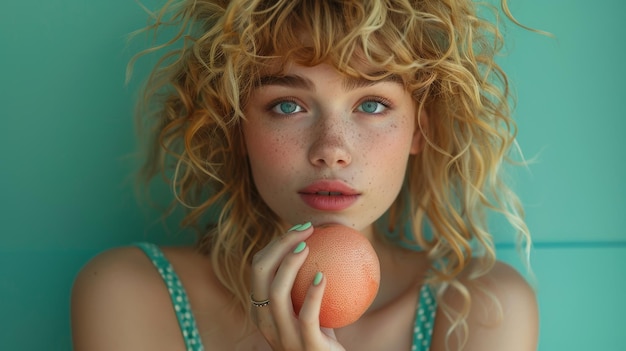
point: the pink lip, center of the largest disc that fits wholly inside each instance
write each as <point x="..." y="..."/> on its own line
<point x="329" y="195"/>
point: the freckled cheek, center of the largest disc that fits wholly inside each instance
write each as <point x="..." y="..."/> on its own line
<point x="385" y="148"/>
<point x="386" y="160"/>
<point x="272" y="153"/>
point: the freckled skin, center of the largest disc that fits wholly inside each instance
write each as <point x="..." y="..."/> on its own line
<point x="329" y="138"/>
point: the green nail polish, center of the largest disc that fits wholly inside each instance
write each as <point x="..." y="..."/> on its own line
<point x="300" y="247"/>
<point x="304" y="226"/>
<point x="295" y="227"/>
<point x="300" y="227"/>
<point x="318" y="278"/>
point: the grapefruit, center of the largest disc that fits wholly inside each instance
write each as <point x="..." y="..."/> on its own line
<point x="352" y="271"/>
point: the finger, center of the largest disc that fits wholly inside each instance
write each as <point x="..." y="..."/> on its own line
<point x="265" y="263"/>
<point x="310" y="312"/>
<point x="265" y="266"/>
<point x="265" y="324"/>
<point x="280" y="293"/>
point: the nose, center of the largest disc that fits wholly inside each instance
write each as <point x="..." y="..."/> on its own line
<point x="330" y="147"/>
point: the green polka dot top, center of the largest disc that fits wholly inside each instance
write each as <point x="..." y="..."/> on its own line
<point x="422" y="329"/>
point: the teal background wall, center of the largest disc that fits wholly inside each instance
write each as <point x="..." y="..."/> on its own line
<point x="66" y="133"/>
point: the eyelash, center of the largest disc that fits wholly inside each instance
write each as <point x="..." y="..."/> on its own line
<point x="274" y="104"/>
<point x="380" y="100"/>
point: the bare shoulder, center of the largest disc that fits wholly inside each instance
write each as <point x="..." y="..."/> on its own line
<point x="118" y="302"/>
<point x="503" y="313"/>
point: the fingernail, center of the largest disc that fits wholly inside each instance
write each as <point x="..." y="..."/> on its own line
<point x="300" y="227"/>
<point x="318" y="278"/>
<point x="300" y="247"/>
<point x="295" y="227"/>
<point x="304" y="226"/>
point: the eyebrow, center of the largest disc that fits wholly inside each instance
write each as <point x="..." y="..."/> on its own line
<point x="289" y="81"/>
<point x="349" y="83"/>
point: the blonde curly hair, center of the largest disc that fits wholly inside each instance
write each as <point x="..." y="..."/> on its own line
<point x="445" y="54"/>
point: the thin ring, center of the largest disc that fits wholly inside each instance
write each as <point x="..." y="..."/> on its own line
<point x="259" y="303"/>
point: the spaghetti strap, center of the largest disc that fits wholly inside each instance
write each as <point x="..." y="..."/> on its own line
<point x="180" y="302"/>
<point x="422" y="330"/>
<point x="424" y="319"/>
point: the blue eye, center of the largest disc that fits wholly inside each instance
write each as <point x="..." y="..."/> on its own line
<point x="286" y="107"/>
<point x="372" y="106"/>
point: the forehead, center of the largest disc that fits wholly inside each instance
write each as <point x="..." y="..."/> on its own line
<point x="358" y="71"/>
<point x="303" y="77"/>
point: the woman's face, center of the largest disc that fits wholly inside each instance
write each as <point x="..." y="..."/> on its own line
<point x="329" y="149"/>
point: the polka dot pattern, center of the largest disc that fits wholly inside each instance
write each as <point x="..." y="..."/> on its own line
<point x="424" y="319"/>
<point x="422" y="330"/>
<point x="177" y="292"/>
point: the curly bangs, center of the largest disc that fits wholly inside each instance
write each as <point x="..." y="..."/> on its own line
<point x="391" y="36"/>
